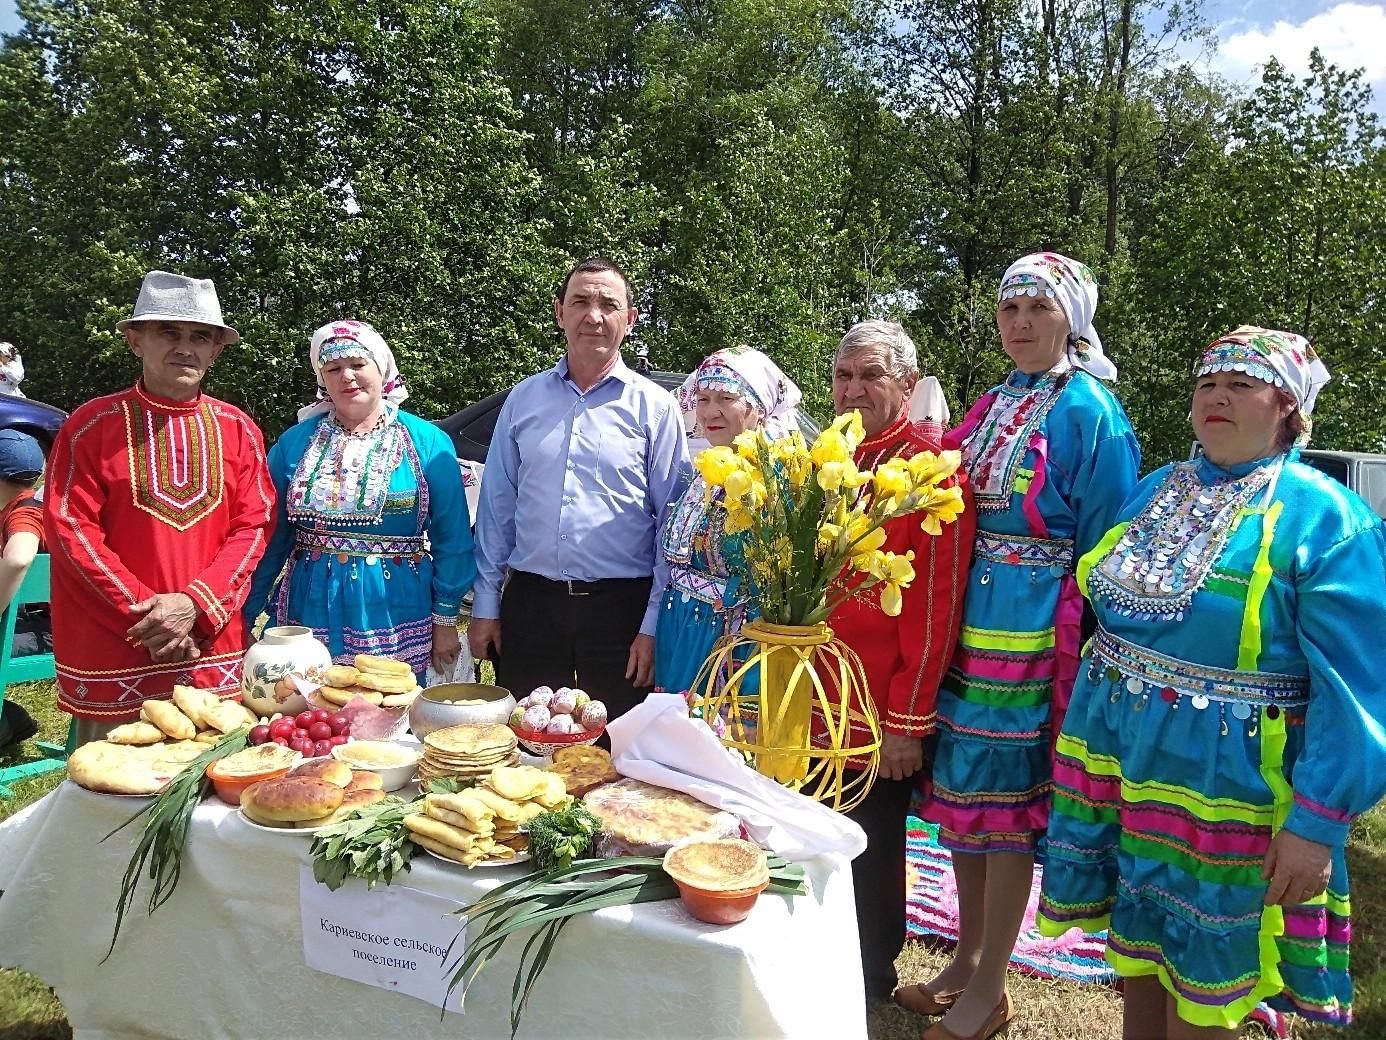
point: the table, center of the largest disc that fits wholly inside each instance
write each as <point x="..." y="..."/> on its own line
<point x="224" y="957"/>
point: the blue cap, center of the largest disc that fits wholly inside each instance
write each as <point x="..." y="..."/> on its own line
<point x="20" y="456"/>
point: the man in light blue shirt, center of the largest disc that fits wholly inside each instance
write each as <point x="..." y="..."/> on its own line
<point x="586" y="459"/>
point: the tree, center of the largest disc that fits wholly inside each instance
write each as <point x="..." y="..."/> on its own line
<point x="345" y="160"/>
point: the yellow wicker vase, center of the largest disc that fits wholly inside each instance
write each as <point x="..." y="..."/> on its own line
<point x="801" y="669"/>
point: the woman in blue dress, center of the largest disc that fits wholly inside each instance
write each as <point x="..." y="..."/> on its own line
<point x="1228" y="719"/>
<point x="732" y="390"/>
<point x="373" y="545"/>
<point x="1051" y="456"/>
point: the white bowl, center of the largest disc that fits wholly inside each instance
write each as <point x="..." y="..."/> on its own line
<point x="392" y="776"/>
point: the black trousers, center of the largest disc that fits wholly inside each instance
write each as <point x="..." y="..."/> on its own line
<point x="556" y="633"/>
<point x="878" y="875"/>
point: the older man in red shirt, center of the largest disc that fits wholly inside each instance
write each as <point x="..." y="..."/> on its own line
<point x="157" y="509"/>
<point x="905" y="657"/>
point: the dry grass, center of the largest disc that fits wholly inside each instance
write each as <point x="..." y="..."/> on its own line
<point x="1047" y="1010"/>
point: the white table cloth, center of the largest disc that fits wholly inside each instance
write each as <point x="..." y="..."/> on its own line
<point x="224" y="957"/>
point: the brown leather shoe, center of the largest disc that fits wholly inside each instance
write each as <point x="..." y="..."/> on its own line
<point x="920" y="999"/>
<point x="998" y="1020"/>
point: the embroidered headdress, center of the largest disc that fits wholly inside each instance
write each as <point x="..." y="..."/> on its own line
<point x="341" y="339"/>
<point x="1072" y="285"/>
<point x="750" y="374"/>
<point x="1283" y="359"/>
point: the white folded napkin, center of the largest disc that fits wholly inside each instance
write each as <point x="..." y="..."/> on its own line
<point x="658" y="743"/>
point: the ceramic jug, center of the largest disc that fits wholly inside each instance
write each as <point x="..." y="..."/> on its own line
<point x="282" y="651"/>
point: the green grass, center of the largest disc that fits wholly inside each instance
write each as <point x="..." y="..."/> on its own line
<point x="1048" y="1010"/>
<point x="28" y="1008"/>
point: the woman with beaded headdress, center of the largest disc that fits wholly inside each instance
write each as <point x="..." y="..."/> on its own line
<point x="1227" y="724"/>
<point x="372" y="519"/>
<point x="732" y="390"/>
<point x="1051" y="456"/>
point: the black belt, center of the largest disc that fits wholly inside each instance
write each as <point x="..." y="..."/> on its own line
<point x="578" y="588"/>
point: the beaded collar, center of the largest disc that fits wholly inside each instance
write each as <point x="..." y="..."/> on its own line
<point x="994" y="450"/>
<point x="696" y="523"/>
<point x="344" y="477"/>
<point x="1169" y="548"/>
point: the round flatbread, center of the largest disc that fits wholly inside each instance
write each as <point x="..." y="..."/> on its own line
<point x="382" y="665"/>
<point x="341" y="676"/>
<point x="117" y="769"/>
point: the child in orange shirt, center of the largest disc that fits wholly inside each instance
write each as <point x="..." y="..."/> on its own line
<point x="21" y="539"/>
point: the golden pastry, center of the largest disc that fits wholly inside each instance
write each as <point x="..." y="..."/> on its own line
<point x="169" y="719"/>
<point x="136" y="733"/>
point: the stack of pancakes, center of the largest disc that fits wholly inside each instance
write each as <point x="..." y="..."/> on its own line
<point x="378" y="680"/>
<point x="313" y="795"/>
<point x="483" y="823"/>
<point x="467" y="752"/>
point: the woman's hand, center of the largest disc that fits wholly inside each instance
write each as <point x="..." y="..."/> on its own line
<point x="446" y="646"/>
<point x="1297" y="869"/>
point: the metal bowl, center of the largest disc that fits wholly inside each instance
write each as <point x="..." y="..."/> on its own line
<point x="440" y="706"/>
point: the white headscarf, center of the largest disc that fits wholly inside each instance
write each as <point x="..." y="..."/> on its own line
<point x="1282" y="359"/>
<point x="341" y="339"/>
<point x="1072" y="284"/>
<point x="747" y="373"/>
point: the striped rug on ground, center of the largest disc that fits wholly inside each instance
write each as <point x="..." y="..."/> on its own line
<point x="931" y="906"/>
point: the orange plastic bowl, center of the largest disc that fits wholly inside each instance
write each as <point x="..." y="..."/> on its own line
<point x="229" y="788"/>
<point x="719" y="907"/>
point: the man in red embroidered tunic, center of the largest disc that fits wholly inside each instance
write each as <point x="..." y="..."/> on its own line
<point x="157" y="509"/>
<point x="905" y="657"/>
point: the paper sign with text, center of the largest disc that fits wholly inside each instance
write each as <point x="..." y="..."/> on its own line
<point x="389" y="936"/>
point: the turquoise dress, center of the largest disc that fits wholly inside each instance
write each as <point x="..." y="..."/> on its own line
<point x="1051" y="457"/>
<point x="373" y="542"/>
<point x="705" y="598"/>
<point x="1232" y="689"/>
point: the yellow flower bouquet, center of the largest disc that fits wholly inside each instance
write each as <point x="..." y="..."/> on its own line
<point x="812" y="536"/>
<point x="809" y="514"/>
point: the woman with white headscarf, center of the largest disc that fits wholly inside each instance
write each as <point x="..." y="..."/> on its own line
<point x="1050" y="456"/>
<point x="733" y="390"/>
<point x="1227" y="721"/>
<point x="372" y="519"/>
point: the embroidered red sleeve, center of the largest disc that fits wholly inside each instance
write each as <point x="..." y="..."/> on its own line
<point x="220" y="589"/>
<point x="929" y="620"/>
<point x="73" y="499"/>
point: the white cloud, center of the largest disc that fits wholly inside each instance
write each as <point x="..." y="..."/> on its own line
<point x="1350" y="35"/>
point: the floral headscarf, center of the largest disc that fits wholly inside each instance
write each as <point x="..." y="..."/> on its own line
<point x="1283" y="359"/>
<point x="1072" y="285"/>
<point x="341" y="339"/>
<point x="747" y="373"/>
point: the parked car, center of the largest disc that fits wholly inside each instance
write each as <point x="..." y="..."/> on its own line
<point x="471" y="430"/>
<point x="1360" y="471"/>
<point x="40" y="421"/>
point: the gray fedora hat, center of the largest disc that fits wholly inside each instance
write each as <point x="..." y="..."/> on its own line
<point x="175" y="297"/>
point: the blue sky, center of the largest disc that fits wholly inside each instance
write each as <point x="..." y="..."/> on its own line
<point x="1351" y="33"/>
